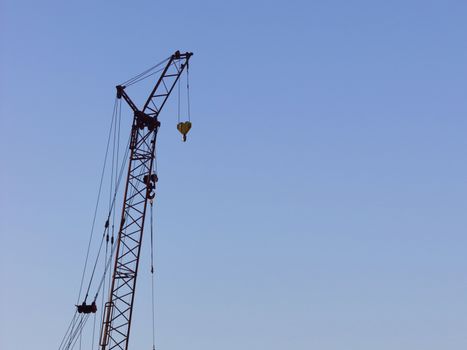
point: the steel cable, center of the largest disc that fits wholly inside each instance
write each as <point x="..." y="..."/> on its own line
<point x="97" y="204"/>
<point x="131" y="80"/>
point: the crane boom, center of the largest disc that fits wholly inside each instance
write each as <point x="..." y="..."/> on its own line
<point x="139" y="188"/>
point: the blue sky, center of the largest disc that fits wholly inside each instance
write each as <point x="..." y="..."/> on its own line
<point x="319" y="203"/>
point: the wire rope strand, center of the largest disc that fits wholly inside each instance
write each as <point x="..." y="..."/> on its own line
<point x="68" y="329"/>
<point x="103" y="287"/>
<point x="139" y="77"/>
<point x="113" y="187"/>
<point x="188" y="90"/>
<point x="122" y="168"/>
<point x="130" y="81"/>
<point x="144" y="77"/>
<point x="178" y="104"/>
<point x="97" y="204"/>
<point x="113" y="154"/>
<point x="77" y="322"/>
<point x="152" y="279"/>
<point x="118" y="139"/>
<point x="81" y="325"/>
<point x="73" y="332"/>
<point x="95" y="264"/>
<point x="93" y="331"/>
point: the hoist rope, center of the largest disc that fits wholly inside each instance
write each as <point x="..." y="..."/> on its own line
<point x="74" y="338"/>
<point x="114" y="186"/>
<point x="106" y="230"/>
<point x="112" y="250"/>
<point x="178" y="104"/>
<point x="97" y="202"/>
<point x="123" y="162"/>
<point x="75" y="330"/>
<point x="113" y="246"/>
<point x="68" y="329"/>
<point x="80" y="338"/>
<point x="112" y="164"/>
<point x="152" y="278"/>
<point x="107" y="266"/>
<point x="188" y="90"/>
<point x="77" y="322"/>
<point x="95" y="265"/>
<point x="93" y="331"/>
<point x="179" y="83"/>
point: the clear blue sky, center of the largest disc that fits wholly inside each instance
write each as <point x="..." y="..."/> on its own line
<point x="320" y="202"/>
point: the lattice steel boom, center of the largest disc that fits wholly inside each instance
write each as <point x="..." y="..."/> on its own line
<point x="140" y="186"/>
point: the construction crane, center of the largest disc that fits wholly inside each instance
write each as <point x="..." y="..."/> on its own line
<point x="119" y="308"/>
<point x="139" y="189"/>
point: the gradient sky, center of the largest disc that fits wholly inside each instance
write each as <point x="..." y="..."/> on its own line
<point x="319" y="203"/>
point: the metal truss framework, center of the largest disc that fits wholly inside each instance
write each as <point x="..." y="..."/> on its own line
<point x="140" y="186"/>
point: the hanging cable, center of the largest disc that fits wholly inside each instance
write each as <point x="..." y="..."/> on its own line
<point x="103" y="294"/>
<point x="74" y="332"/>
<point x="77" y="323"/>
<point x="113" y="246"/>
<point x="188" y="90"/>
<point x="106" y="229"/>
<point x="95" y="263"/>
<point x="152" y="278"/>
<point x="74" y="338"/>
<point x="68" y="329"/>
<point x="178" y="103"/>
<point x="93" y="331"/>
<point x="97" y="203"/>
<point x="118" y="160"/>
<point x="80" y="338"/>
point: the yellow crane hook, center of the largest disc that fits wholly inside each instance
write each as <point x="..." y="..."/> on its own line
<point x="184" y="127"/>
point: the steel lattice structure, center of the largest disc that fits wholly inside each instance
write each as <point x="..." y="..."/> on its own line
<point x="140" y="186"/>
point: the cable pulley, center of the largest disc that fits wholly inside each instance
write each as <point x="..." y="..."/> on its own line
<point x="150" y="182"/>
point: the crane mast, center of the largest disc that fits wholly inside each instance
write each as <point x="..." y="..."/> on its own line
<point x="139" y="189"/>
